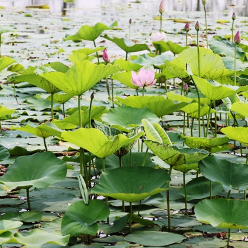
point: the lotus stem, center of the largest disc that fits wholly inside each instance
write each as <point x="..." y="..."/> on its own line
<point x="91" y="100"/>
<point x="123" y="206"/>
<point x="89" y="172"/>
<point x="129" y="31"/>
<point x="82" y="162"/>
<point x="144" y="160"/>
<point x="131" y="159"/>
<point x="228" y="238"/>
<point x="52" y="106"/>
<point x="28" y="199"/>
<point x="186" y="39"/>
<point x="244" y="195"/>
<point x="120" y="161"/>
<point x="232" y="29"/>
<point x="215" y="120"/>
<point x="209" y="112"/>
<point x="96" y="52"/>
<point x="143" y="91"/>
<point x="107" y="86"/>
<point x="228" y="194"/>
<point x="210" y="190"/>
<point x="198" y="53"/>
<point x="184" y="116"/>
<point x="79" y="113"/>
<point x="126" y="56"/>
<point x="235" y="73"/>
<point x="63" y="106"/>
<point x="185" y="193"/>
<point x="107" y="203"/>
<point x="1" y="127"/>
<point x="203" y="126"/>
<point x="112" y="89"/>
<point x="192" y="126"/>
<point x="168" y="203"/>
<point x="15" y="94"/>
<point x="44" y="141"/>
<point x="161" y="22"/>
<point x="206" y="24"/>
<point x="130" y="219"/>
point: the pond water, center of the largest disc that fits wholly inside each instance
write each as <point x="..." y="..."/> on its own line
<point x="216" y="8"/>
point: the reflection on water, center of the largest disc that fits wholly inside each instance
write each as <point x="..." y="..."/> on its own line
<point x="215" y="6"/>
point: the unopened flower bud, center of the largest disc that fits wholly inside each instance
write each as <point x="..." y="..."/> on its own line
<point x="161" y="7"/>
<point x="186" y="27"/>
<point x="185" y="87"/>
<point x="197" y="26"/>
<point x="233" y="16"/>
<point x="237" y="38"/>
<point x="130" y="21"/>
<point x="204" y="2"/>
<point x="105" y="56"/>
<point x="92" y="95"/>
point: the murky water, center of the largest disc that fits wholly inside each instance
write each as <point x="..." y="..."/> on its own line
<point x="217" y="8"/>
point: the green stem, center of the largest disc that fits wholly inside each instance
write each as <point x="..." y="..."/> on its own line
<point x="44" y="141"/>
<point x="52" y="106"/>
<point x="203" y="125"/>
<point x="184" y="116"/>
<point x="235" y="55"/>
<point x="63" y="106"/>
<point x="107" y="86"/>
<point x="143" y="91"/>
<point x="112" y="89"/>
<point x="82" y="161"/>
<point x="129" y="32"/>
<point x="144" y="160"/>
<point x="232" y="29"/>
<point x="89" y="172"/>
<point x="79" y="113"/>
<point x="120" y="161"/>
<point x="185" y="193"/>
<point x="91" y="100"/>
<point x="209" y="112"/>
<point x="96" y="52"/>
<point x="28" y="199"/>
<point x="161" y="20"/>
<point x="15" y="94"/>
<point x="198" y="54"/>
<point x="126" y="56"/>
<point x="130" y="218"/>
<point x="1" y="127"/>
<point x="244" y="195"/>
<point x="215" y="120"/>
<point x="206" y="24"/>
<point x="192" y="127"/>
<point x="123" y="206"/>
<point x="107" y="203"/>
<point x="228" y="238"/>
<point x="168" y="203"/>
<point x="228" y="194"/>
<point x="186" y="39"/>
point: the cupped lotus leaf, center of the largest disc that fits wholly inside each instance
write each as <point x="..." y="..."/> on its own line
<point x="192" y="110"/>
<point x="88" y="50"/>
<point x="186" y="167"/>
<point x="170" y="70"/>
<point x="127" y="118"/>
<point x="16" y="68"/>
<point x="241" y="108"/>
<point x="102" y="146"/>
<point x="39" y="170"/>
<point x="5" y="111"/>
<point x="127" y="45"/>
<point x="159" y="105"/>
<point x="127" y="65"/>
<point x="51" y="128"/>
<point x="211" y="65"/>
<point x="125" y="78"/>
<point x="4" y="153"/>
<point x="37" y="238"/>
<point x="91" y="32"/>
<point x="237" y="133"/>
<point x="79" y="56"/>
<point x="163" y="46"/>
<point x="230" y="175"/>
<point x="60" y="98"/>
<point x="153" y="239"/>
<point x="72" y="121"/>
<point x="146" y="60"/>
<point x="155" y="132"/>
<point x="80" y="77"/>
<point x="37" y="131"/>
<point x="132" y="183"/>
<point x="5" y="62"/>
<point x="210" y="145"/>
<point x="81" y="218"/>
<point x="199" y="188"/>
<point x="223" y="213"/>
<point x="213" y="91"/>
<point x="6" y="225"/>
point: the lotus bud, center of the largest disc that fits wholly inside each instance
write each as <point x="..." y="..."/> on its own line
<point x="237" y="38"/>
<point x="185" y="87"/>
<point x="161" y="7"/>
<point x="105" y="56"/>
<point x="92" y="95"/>
<point x="186" y="27"/>
<point x="204" y="2"/>
<point x="130" y="21"/>
<point x="233" y="16"/>
<point x="197" y="26"/>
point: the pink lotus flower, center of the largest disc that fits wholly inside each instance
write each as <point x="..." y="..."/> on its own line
<point x="161" y="7"/>
<point x="143" y="78"/>
<point x="186" y="27"/>
<point x="197" y="26"/>
<point x="105" y="56"/>
<point x="158" y="36"/>
<point x="237" y="38"/>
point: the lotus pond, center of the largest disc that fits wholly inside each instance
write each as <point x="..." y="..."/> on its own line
<point x="115" y="134"/>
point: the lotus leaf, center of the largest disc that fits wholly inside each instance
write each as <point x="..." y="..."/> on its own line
<point x="132" y="183"/>
<point x="192" y="110"/>
<point x="127" y="118"/>
<point x="237" y="133"/>
<point x="5" y="62"/>
<point x="79" y="56"/>
<point x="6" y="225"/>
<point x="241" y="108"/>
<point x="230" y="175"/>
<point x="223" y="213"/>
<point x="159" y="105"/>
<point x="5" y="111"/>
<point x="4" y="153"/>
<point x="125" y="78"/>
<point x="127" y="65"/>
<point x="163" y="46"/>
<point x="102" y="146"/>
<point x="146" y="60"/>
<point x="80" y="77"/>
<point x="60" y="98"/>
<point x="173" y="71"/>
<point x="81" y="218"/>
<point x="38" y="170"/>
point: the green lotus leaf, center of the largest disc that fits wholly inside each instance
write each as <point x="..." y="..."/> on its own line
<point x="58" y="66"/>
<point x="6" y="225"/>
<point x="127" y="65"/>
<point x="72" y="121"/>
<point x="5" y="62"/>
<point x="5" y="111"/>
<point x="79" y="56"/>
<point x="159" y="105"/>
<point x="91" y="32"/>
<point x="16" y="68"/>
<point x="81" y="218"/>
<point x="223" y="213"/>
<point x="241" y="108"/>
<point x="40" y="103"/>
<point x="88" y="50"/>
<point x="127" y="45"/>
<point x="37" y="237"/>
<point x="192" y="110"/>
<point x="39" y="170"/>
<point x="7" y="237"/>
<point x="4" y="153"/>
<point x="80" y="77"/>
<point x="146" y="60"/>
<point x="213" y="91"/>
<point x="27" y="217"/>
<point x="211" y="65"/>
<point x="125" y="78"/>
<point x="60" y="98"/>
<point x="153" y="239"/>
<point x="210" y="145"/>
<point x="102" y="146"/>
<point x="230" y="175"/>
<point x="184" y="168"/>
<point x="237" y="133"/>
<point x="199" y="188"/>
<point x="51" y="128"/>
<point x="173" y="71"/>
<point x="155" y="132"/>
<point x="132" y="183"/>
<point x="127" y="118"/>
<point x="228" y="62"/>
<point x="163" y="46"/>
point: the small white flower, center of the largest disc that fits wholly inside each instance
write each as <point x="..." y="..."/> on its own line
<point x="158" y="36"/>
